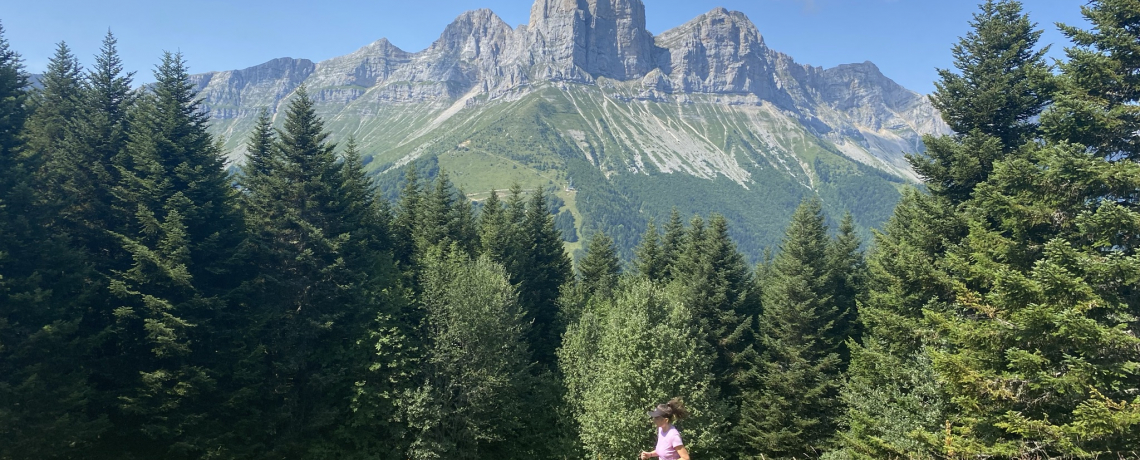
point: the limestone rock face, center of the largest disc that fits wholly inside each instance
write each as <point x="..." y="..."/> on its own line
<point x="244" y="92"/>
<point x="582" y="39"/>
<point x="479" y="59"/>
<point x="717" y="52"/>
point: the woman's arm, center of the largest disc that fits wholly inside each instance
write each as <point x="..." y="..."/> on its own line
<point x="650" y="454"/>
<point x="683" y="452"/>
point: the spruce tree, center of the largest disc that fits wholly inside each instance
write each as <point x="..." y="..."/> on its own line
<point x="318" y="297"/>
<point x="672" y="241"/>
<point x="600" y="268"/>
<point x="1100" y="83"/>
<point x="541" y="267"/>
<point x="407" y="217"/>
<point x="1003" y="83"/>
<point x="793" y="411"/>
<point x="649" y="258"/>
<point x="892" y="395"/>
<point x="99" y="137"/>
<point x="185" y="228"/>
<point x="445" y="217"/>
<point x="44" y="388"/>
<point x="55" y="109"/>
<point x="846" y="282"/>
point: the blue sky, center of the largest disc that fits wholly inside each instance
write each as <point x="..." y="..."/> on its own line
<point x="907" y="39"/>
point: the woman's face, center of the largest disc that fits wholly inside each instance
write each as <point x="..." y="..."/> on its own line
<point x="661" y="422"/>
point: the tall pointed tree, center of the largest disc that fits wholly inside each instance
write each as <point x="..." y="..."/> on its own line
<point x="185" y="228"/>
<point x="649" y="258"/>
<point x="793" y="412"/>
<point x="600" y="268"/>
<point x="319" y="289"/>
<point x="1003" y="83"/>
<point x="542" y="268"/>
<point x="55" y="109"/>
<point x="44" y="389"/>
<point x="1097" y="106"/>
<point x="100" y="136"/>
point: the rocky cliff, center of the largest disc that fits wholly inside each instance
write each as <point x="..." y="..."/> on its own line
<point x="584" y="83"/>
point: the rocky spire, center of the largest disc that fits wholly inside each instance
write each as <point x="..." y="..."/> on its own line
<point x="577" y="39"/>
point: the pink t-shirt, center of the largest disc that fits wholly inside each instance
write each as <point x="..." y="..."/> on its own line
<point x="667" y="443"/>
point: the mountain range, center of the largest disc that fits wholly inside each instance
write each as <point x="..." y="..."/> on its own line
<point x="621" y="125"/>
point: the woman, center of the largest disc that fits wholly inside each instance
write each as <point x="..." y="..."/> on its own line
<point x="669" y="445"/>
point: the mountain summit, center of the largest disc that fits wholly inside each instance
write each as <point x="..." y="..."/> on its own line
<point x="585" y="91"/>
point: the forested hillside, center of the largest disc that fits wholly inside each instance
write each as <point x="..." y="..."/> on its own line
<point x="156" y="304"/>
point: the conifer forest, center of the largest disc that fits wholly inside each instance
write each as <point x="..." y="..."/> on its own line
<point x="159" y="303"/>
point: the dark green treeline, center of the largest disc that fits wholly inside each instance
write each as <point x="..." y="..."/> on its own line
<point x="153" y="305"/>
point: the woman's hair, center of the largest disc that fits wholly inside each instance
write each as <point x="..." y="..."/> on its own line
<point x="675" y="409"/>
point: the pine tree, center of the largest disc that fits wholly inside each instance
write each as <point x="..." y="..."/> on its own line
<point x="185" y="228"/>
<point x="43" y="385"/>
<point x="1003" y="85"/>
<point x="1100" y="84"/>
<point x="600" y="268"/>
<point x="649" y="255"/>
<point x="793" y="412"/>
<point x="321" y="298"/>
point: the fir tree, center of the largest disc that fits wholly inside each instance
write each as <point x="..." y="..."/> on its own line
<point x="846" y="282"/>
<point x="44" y="387"/>
<point x="318" y="298"/>
<point x="1003" y="81"/>
<point x="649" y="258"/>
<point x="542" y="267"/>
<point x="672" y="242"/>
<point x="892" y="394"/>
<point x="793" y="412"/>
<point x="55" y="110"/>
<point x="185" y="229"/>
<point x="445" y="217"/>
<point x="1100" y="83"/>
<point x="99" y="137"/>
<point x="1003" y="85"/>
<point x="600" y="268"/>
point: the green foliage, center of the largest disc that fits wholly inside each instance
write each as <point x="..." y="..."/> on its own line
<point x="992" y="104"/>
<point x="184" y="229"/>
<point x="792" y="412"/>
<point x="599" y="269"/>
<point x="630" y="353"/>
<point x="321" y="303"/>
<point x="894" y="399"/>
<point x="1003" y="81"/>
<point x="1100" y="85"/>
<point x="564" y="222"/>
<point x="475" y="386"/>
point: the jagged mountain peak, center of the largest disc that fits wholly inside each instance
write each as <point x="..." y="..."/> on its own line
<point x="582" y="39"/>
